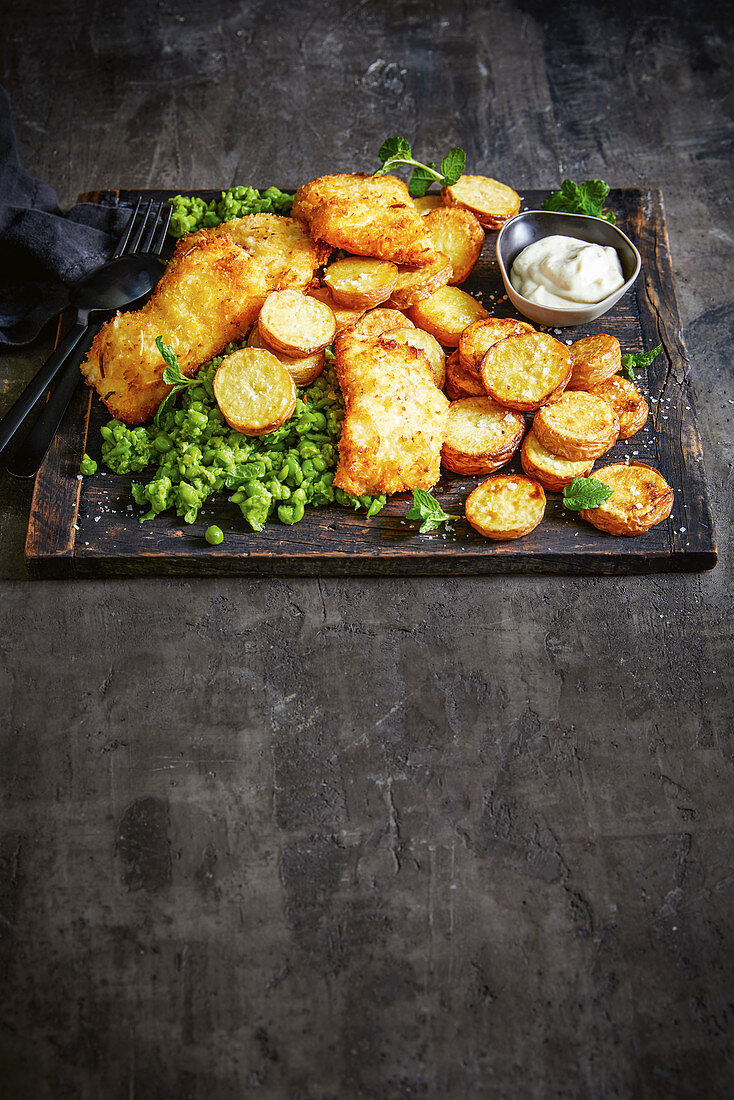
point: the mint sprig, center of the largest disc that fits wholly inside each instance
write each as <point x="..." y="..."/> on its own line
<point x="585" y="492"/>
<point x="172" y="376"/>
<point x="581" y="198"/>
<point x="427" y="510"/>
<point x="639" y="359"/>
<point x="397" y="151"/>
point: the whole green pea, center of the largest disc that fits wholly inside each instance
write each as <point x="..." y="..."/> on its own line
<point x="214" y="535"/>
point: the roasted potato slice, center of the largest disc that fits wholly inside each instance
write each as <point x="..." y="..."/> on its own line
<point x="427" y="203"/>
<point x="552" y="471"/>
<point x="457" y="234"/>
<point x="343" y="316"/>
<point x="377" y="321"/>
<point x="481" y="436"/>
<point x="526" y="370"/>
<point x="577" y="425"/>
<point x="461" y="382"/>
<point x="357" y="282"/>
<point x="491" y="202"/>
<point x="476" y="340"/>
<point x="628" y="403"/>
<point x="505" y="507"/>
<point x="427" y="345"/>
<point x="447" y="313"/>
<point x="641" y="499"/>
<point x="295" y="323"/>
<point x="255" y="392"/>
<point x="416" y="283"/>
<point x="302" y="371"/>
<point x="593" y="360"/>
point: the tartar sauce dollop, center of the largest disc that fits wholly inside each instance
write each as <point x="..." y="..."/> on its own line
<point x="559" y="271"/>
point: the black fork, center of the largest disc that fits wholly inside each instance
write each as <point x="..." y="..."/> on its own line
<point x="145" y="232"/>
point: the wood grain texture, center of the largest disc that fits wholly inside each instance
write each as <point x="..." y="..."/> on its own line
<point x="96" y="533"/>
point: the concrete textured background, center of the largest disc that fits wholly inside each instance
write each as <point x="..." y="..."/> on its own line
<point x="324" y="838"/>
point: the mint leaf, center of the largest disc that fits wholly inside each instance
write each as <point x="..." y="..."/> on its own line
<point x="585" y="198"/>
<point x="394" y="147"/>
<point x="639" y="359"/>
<point x="426" y="509"/>
<point x="452" y="166"/>
<point x="167" y="353"/>
<point x="172" y="376"/>
<point x="585" y="492"/>
<point x="421" y="180"/>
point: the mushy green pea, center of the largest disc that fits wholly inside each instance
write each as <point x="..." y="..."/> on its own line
<point x="194" y="453"/>
<point x="190" y="212"/>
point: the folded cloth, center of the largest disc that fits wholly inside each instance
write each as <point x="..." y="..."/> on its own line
<point x="43" y="251"/>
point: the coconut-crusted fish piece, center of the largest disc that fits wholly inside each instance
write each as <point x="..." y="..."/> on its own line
<point x="210" y="293"/>
<point x="395" y="417"/>
<point x="281" y="246"/>
<point x="366" y="216"/>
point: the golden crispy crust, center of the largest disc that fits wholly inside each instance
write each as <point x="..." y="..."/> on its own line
<point x="641" y="499"/>
<point x="481" y="436"/>
<point x="627" y="401"/>
<point x="446" y="313"/>
<point x="525" y="370"/>
<point x="476" y="340"/>
<point x="457" y="233"/>
<point x="577" y="425"/>
<point x="461" y="382"/>
<point x="281" y="246"/>
<point x="505" y="507"/>
<point x="492" y="202"/>
<point x="552" y="471"/>
<point x="210" y="294"/>
<point x="594" y="359"/>
<point x="394" y="418"/>
<point x="365" y="215"/>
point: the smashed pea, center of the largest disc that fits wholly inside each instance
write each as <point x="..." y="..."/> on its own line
<point x="193" y="453"/>
<point x="191" y="212"/>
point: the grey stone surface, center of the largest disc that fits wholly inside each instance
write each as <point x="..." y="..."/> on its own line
<point x="374" y="839"/>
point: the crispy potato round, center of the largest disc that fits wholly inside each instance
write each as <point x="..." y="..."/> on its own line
<point x="505" y="507"/>
<point x="628" y="403"/>
<point x="481" y="436"/>
<point x="577" y="425"/>
<point x="552" y="471"/>
<point x="461" y="382"/>
<point x="375" y="322"/>
<point x="476" y="340"/>
<point x="302" y="371"/>
<point x="427" y="203"/>
<point x="255" y="392"/>
<point x="427" y="345"/>
<point x="447" y="313"/>
<point x="296" y="323"/>
<point x="593" y="360"/>
<point x="457" y="233"/>
<point x="491" y="202"/>
<point x="641" y="499"/>
<point x="416" y="283"/>
<point x="526" y="370"/>
<point x="343" y="316"/>
<point x="360" y="283"/>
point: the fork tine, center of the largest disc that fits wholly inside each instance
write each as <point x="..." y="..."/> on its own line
<point x="135" y="246"/>
<point x="122" y="243"/>
<point x="161" y="238"/>
<point x="145" y="246"/>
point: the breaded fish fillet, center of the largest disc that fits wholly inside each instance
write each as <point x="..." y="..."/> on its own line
<point x="281" y="246"/>
<point x="395" y="417"/>
<point x="365" y="215"/>
<point x="211" y="293"/>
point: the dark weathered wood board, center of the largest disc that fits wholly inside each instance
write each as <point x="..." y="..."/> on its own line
<point x="89" y="527"/>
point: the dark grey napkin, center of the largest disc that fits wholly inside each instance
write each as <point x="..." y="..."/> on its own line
<point x="43" y="251"/>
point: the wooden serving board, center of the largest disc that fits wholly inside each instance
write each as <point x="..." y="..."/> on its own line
<point x="89" y="527"/>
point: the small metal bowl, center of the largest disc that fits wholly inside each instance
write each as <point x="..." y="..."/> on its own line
<point x="531" y="226"/>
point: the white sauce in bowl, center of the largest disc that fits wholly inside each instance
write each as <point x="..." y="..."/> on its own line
<point x="563" y="271"/>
